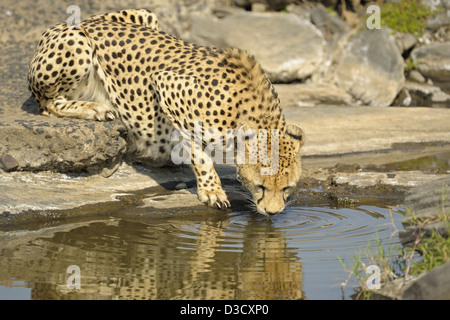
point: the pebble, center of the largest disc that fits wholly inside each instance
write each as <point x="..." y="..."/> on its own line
<point x="181" y="186"/>
<point x="9" y="162"/>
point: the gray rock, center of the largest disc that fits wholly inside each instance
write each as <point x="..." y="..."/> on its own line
<point x="433" y="61"/>
<point x="312" y="94"/>
<point x="64" y="145"/>
<point x="403" y="99"/>
<point x="426" y="201"/>
<point x="434" y="285"/>
<point x="271" y="4"/>
<point x="439" y="20"/>
<point x="8" y="162"/>
<point x="326" y="23"/>
<point x="436" y="4"/>
<point x="288" y="47"/>
<point x="423" y="94"/>
<point x="31" y="192"/>
<point x="259" y="7"/>
<point x="181" y="186"/>
<point x="370" y="68"/>
<point x="405" y="41"/>
<point x="221" y="12"/>
<point x="416" y="76"/>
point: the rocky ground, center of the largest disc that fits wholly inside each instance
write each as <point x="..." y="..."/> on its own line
<point x="364" y="115"/>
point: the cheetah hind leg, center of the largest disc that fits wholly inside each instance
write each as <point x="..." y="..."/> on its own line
<point x="87" y="110"/>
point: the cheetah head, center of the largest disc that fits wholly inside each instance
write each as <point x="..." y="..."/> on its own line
<point x="270" y="187"/>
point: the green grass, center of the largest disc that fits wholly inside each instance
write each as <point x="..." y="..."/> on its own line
<point x="434" y="250"/>
<point x="391" y="260"/>
<point x="407" y="16"/>
<point x="411" y="64"/>
<point x="399" y="262"/>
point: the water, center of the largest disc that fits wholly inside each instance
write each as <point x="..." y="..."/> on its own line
<point x="239" y="255"/>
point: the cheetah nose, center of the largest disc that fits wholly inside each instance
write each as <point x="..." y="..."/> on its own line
<point x="272" y="213"/>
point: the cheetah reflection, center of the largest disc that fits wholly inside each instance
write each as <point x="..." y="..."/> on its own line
<point x="177" y="260"/>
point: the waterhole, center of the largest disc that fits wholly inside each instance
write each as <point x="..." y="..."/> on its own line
<point x="239" y="255"/>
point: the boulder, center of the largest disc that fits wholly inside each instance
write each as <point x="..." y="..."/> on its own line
<point x="426" y="201"/>
<point x="433" y="61"/>
<point x="328" y="24"/>
<point x="288" y="47"/>
<point x="311" y="94"/>
<point x="433" y="285"/>
<point x="31" y="142"/>
<point x="370" y="67"/>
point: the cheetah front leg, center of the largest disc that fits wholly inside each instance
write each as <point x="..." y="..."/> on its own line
<point x="209" y="187"/>
<point x="87" y="110"/>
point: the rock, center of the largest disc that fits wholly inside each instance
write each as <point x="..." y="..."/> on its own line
<point x="403" y="99"/>
<point x="8" y="162"/>
<point x="221" y="12"/>
<point x="23" y="191"/>
<point x="326" y="23"/>
<point x="433" y="61"/>
<point x="64" y="145"/>
<point x="181" y="186"/>
<point x="426" y="201"/>
<point x="437" y="4"/>
<point x="288" y="47"/>
<point x="271" y="4"/>
<point x="370" y="68"/>
<point x="311" y="94"/>
<point x="423" y="94"/>
<point x="439" y="20"/>
<point x="416" y="76"/>
<point x="332" y="130"/>
<point x="405" y="179"/>
<point x="405" y="41"/>
<point x="344" y="167"/>
<point x="27" y="192"/>
<point x="433" y="285"/>
<point x="259" y="7"/>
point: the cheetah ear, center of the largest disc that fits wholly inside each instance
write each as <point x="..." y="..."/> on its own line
<point x="296" y="133"/>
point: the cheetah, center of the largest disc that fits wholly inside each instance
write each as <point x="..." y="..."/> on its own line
<point x="120" y="66"/>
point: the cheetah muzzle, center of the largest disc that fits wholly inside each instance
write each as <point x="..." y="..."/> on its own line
<point x="119" y="66"/>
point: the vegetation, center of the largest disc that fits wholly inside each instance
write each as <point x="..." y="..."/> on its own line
<point x="411" y="64"/>
<point x="407" y="16"/>
<point x="399" y="262"/>
<point x="434" y="250"/>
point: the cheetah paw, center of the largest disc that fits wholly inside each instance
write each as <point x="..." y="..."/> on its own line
<point x="216" y="198"/>
<point x="101" y="113"/>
